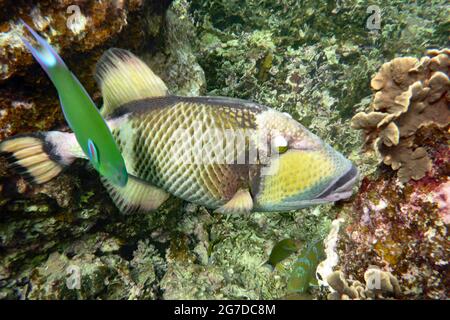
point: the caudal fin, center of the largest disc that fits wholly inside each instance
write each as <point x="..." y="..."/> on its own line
<point x="43" y="52"/>
<point x="38" y="157"/>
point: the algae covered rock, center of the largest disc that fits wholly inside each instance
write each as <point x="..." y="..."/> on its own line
<point x="401" y="228"/>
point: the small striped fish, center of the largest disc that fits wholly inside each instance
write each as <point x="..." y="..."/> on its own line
<point x="304" y="270"/>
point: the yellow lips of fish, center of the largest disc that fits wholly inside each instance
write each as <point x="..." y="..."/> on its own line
<point x="295" y="172"/>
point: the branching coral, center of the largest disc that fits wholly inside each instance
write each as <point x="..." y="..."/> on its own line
<point x="410" y="94"/>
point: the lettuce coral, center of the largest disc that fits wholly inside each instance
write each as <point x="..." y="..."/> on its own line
<point x="410" y="94"/>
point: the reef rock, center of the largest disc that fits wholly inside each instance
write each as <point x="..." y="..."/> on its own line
<point x="80" y="31"/>
<point x="402" y="228"/>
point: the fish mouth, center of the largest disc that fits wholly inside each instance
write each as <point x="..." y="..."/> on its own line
<point x="342" y="187"/>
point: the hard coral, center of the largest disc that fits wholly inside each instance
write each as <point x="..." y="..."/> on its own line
<point x="379" y="284"/>
<point x="410" y="94"/>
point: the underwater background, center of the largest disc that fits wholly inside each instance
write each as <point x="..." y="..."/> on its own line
<point x="370" y="78"/>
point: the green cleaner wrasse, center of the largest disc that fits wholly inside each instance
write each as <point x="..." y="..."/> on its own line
<point x="226" y="154"/>
<point x="283" y="249"/>
<point x="82" y="116"/>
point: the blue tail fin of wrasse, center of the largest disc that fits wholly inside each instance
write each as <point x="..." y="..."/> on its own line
<point x="47" y="57"/>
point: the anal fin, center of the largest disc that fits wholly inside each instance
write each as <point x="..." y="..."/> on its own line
<point x="123" y="78"/>
<point x="241" y="202"/>
<point x="137" y="196"/>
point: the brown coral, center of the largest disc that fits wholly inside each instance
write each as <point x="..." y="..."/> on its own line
<point x="409" y="94"/>
<point x="379" y="285"/>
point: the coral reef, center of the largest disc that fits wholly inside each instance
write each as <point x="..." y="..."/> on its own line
<point x="75" y="26"/>
<point x="42" y="221"/>
<point x="311" y="59"/>
<point x="409" y="94"/>
<point x="402" y="228"/>
<point x="399" y="222"/>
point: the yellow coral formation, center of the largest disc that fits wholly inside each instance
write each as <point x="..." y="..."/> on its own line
<point x="410" y="94"/>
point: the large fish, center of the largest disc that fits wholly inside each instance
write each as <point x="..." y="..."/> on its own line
<point x="226" y="154"/>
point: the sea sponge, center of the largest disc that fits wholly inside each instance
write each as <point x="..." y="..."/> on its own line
<point x="410" y="94"/>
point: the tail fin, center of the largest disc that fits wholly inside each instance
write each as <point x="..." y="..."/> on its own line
<point x="43" y="53"/>
<point x="39" y="157"/>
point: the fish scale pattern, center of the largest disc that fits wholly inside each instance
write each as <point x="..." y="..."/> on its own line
<point x="189" y="150"/>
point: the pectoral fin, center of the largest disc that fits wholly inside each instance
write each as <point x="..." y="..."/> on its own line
<point x="136" y="197"/>
<point x="241" y="202"/>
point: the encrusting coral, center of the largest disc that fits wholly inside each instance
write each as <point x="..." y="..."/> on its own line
<point x="80" y="31"/>
<point x="402" y="228"/>
<point x="410" y="94"/>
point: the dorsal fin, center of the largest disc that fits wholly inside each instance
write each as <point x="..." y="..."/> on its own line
<point x="123" y="77"/>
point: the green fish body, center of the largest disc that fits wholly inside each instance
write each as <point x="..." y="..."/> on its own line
<point x="282" y="250"/>
<point x="226" y="154"/>
<point x="304" y="270"/>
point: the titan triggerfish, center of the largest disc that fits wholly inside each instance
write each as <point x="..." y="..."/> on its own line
<point x="226" y="154"/>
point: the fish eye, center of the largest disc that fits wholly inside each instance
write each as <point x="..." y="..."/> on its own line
<point x="92" y="152"/>
<point x="280" y="144"/>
